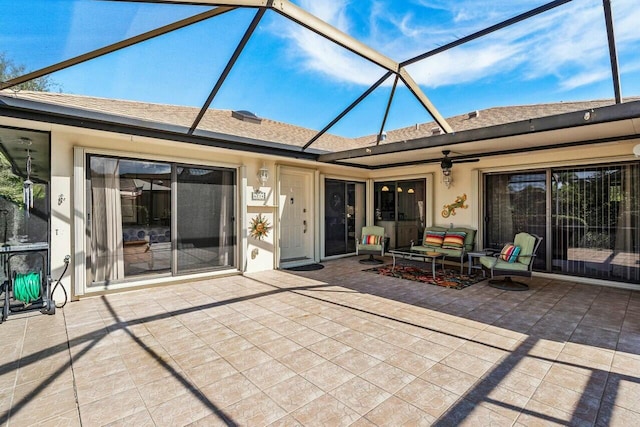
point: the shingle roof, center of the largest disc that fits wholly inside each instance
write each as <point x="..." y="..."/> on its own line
<point x="270" y="130"/>
<point x="214" y="120"/>
<point x="489" y="117"/>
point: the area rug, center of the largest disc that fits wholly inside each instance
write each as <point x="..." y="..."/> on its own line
<point x="451" y="279"/>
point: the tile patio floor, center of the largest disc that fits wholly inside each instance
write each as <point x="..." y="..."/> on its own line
<point x="333" y="347"/>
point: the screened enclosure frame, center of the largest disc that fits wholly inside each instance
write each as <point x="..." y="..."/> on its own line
<point x="293" y="13"/>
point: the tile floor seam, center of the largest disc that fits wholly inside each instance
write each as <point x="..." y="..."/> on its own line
<point x="73" y="376"/>
<point x="15" y="381"/>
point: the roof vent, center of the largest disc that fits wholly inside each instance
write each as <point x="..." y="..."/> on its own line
<point x="436" y="131"/>
<point x="246" y="116"/>
<point x="474" y="114"/>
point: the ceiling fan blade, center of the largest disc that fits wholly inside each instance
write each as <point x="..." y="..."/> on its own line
<point x="465" y="160"/>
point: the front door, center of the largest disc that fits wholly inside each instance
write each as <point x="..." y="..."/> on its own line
<point x="296" y="219"/>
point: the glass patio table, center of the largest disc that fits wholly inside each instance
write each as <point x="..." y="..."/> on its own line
<point x="417" y="255"/>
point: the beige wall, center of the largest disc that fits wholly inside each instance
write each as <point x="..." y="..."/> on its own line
<point x="257" y="255"/>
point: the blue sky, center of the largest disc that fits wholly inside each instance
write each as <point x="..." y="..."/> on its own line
<point x="289" y="74"/>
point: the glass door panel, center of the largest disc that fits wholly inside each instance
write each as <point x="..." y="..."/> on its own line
<point x="516" y="202"/>
<point x="205" y="227"/>
<point x="344" y="215"/>
<point x="400" y="209"/>
<point x="410" y="223"/>
<point x="129" y="220"/>
<point x="596" y="222"/>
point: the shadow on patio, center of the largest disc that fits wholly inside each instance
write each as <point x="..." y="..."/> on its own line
<point x="334" y="347"/>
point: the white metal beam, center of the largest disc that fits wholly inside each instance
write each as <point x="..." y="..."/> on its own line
<point x="426" y="103"/>
<point x="318" y="26"/>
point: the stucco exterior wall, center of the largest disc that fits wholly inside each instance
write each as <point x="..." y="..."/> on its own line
<point x="258" y="255"/>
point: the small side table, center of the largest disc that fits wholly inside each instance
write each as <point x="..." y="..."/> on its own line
<point x="471" y="256"/>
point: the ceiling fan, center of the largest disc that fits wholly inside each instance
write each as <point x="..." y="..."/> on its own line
<point x="447" y="162"/>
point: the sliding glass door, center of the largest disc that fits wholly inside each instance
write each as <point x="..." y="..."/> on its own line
<point x="589" y="218"/>
<point x="596" y="221"/>
<point x="205" y="221"/>
<point x="157" y="218"/>
<point x="344" y="215"/>
<point x="400" y="209"/>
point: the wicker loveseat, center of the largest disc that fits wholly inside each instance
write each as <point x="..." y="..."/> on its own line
<point x="453" y="242"/>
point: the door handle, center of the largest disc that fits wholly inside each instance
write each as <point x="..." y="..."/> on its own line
<point x="304" y="222"/>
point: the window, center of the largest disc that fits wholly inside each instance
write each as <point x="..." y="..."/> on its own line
<point x="133" y="230"/>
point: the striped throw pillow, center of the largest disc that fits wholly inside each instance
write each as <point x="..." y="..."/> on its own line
<point x="433" y="238"/>
<point x="510" y="253"/>
<point x="371" y="240"/>
<point x="454" y="240"/>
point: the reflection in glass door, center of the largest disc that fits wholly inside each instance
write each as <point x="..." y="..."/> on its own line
<point x="344" y="215"/>
<point x="400" y="209"/>
<point x="205" y="223"/>
<point x="516" y="202"/>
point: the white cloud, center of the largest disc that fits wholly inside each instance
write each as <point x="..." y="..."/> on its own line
<point x="585" y="78"/>
<point x="322" y="56"/>
<point x="568" y="43"/>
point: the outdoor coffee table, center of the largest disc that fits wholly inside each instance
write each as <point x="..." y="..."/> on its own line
<point x="424" y="256"/>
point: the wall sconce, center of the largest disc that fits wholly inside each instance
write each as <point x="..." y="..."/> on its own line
<point x="384" y="188"/>
<point x="446" y="177"/>
<point x="263" y="175"/>
<point x="411" y="191"/>
<point x="399" y="189"/>
<point x="446" y="164"/>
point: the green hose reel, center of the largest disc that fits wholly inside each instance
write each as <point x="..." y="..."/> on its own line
<point x="26" y="287"/>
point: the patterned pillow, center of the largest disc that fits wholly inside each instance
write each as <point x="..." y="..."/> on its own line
<point x="454" y="240"/>
<point x="433" y="238"/>
<point x="371" y="240"/>
<point x="510" y="253"/>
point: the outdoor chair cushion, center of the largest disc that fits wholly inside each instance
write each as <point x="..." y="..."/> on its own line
<point x="433" y="238"/>
<point x="454" y="239"/>
<point x="457" y="241"/>
<point x="526" y="242"/>
<point x="510" y="253"/>
<point x="374" y="234"/>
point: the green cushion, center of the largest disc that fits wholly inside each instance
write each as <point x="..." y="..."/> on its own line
<point x="527" y="244"/>
<point x="488" y="262"/>
<point x="373" y="230"/>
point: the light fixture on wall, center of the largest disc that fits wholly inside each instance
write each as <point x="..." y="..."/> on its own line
<point x="446" y="164"/>
<point x="399" y="189"/>
<point x="263" y="175"/>
<point x="384" y="188"/>
<point x="410" y="191"/>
